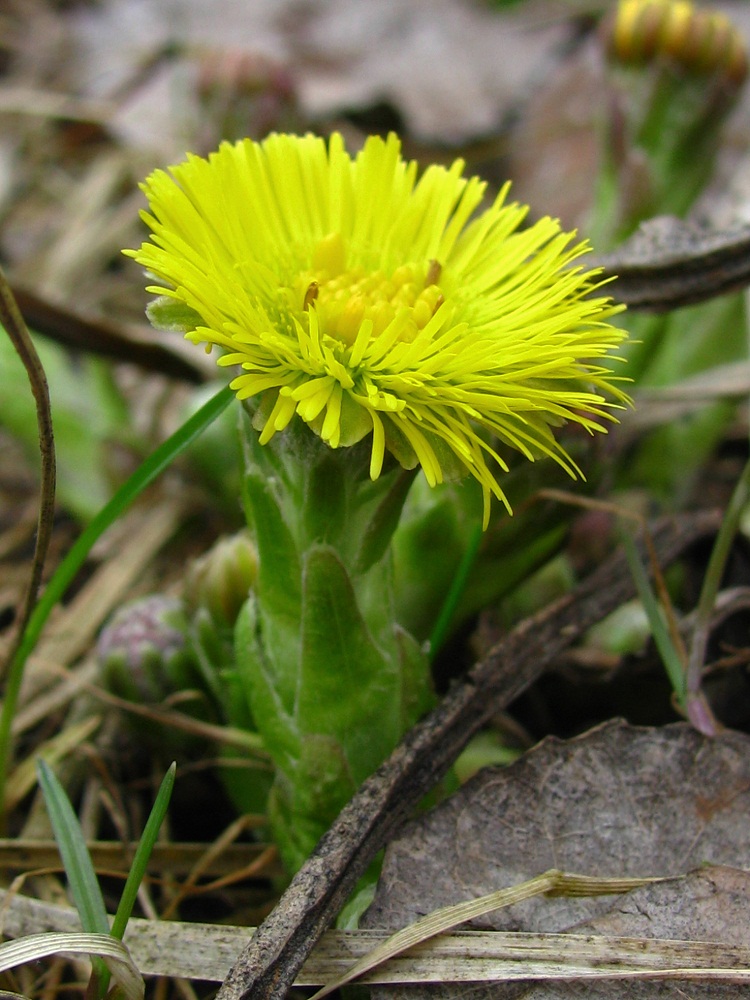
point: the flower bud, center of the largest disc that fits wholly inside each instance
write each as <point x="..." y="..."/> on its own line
<point x="675" y="73"/>
<point x="220" y="581"/>
<point x="700" y="42"/>
<point x="142" y="650"/>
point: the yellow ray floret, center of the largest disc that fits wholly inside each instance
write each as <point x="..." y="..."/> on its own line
<point x="367" y="301"/>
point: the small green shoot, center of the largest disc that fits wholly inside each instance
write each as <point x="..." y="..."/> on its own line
<point x="685" y="670"/>
<point x="698" y="711"/>
<point x="719" y="554"/>
<point x="84" y="884"/>
<point x="143" y="853"/>
<point x="79" y="869"/>
<point x="454" y="595"/>
<point x="671" y="657"/>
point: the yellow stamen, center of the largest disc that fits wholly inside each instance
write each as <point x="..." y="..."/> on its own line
<point x="330" y="255"/>
<point x="345" y="297"/>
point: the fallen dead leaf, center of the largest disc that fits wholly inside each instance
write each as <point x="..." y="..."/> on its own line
<point x="618" y="801"/>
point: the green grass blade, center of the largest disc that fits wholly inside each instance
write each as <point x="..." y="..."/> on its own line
<point x="82" y="879"/>
<point x="670" y="656"/>
<point x="451" y="602"/>
<point x="145" y="847"/>
<point x="714" y="574"/>
<point x="144" y="475"/>
<point x="154" y="465"/>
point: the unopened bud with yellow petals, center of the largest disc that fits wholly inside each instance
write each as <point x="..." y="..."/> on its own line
<point x="699" y="41"/>
<point x="675" y="73"/>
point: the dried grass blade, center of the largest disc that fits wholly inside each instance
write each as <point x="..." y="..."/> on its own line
<point x="113" y="953"/>
<point x="552" y="882"/>
<point x="206" y="951"/>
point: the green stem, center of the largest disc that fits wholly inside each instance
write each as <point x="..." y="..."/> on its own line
<point x="448" y="610"/>
<point x="668" y="650"/>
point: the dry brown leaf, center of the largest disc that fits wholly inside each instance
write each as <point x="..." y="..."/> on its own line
<point x="619" y="801"/>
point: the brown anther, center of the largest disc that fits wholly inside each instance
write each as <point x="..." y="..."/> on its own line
<point x="433" y="273"/>
<point x="438" y="302"/>
<point x="310" y="295"/>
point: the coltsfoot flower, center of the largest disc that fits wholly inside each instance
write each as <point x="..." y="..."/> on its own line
<point x="700" y="41"/>
<point x="367" y="301"/>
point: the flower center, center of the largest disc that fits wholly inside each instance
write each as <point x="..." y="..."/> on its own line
<point x="345" y="297"/>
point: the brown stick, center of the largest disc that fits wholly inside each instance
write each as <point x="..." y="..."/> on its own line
<point x="269" y="964"/>
<point x="669" y="263"/>
<point x="107" y="339"/>
<point x="15" y="328"/>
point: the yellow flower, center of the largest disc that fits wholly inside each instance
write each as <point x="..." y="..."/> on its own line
<point x="367" y="301"/>
<point x="700" y="41"/>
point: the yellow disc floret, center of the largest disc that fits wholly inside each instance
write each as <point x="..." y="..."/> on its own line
<point x="343" y="299"/>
